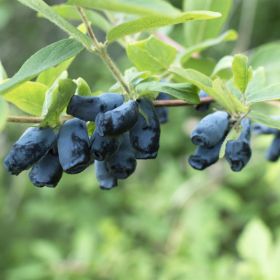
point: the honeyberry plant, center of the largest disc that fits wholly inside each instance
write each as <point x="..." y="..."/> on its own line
<point x="75" y="127"/>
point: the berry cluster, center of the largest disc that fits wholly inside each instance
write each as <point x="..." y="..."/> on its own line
<point x="209" y="136"/>
<point x="124" y="132"/>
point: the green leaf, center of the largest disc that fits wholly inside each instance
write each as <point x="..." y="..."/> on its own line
<point x="255" y="243"/>
<point x="224" y="64"/>
<point x="202" y="64"/>
<point x="3" y="74"/>
<point x="216" y="89"/>
<point x="242" y="73"/>
<point x="270" y="121"/>
<point x="70" y="12"/>
<point x="29" y="97"/>
<point x="230" y="35"/>
<point x="42" y="60"/>
<point x="45" y="10"/>
<point x="182" y="91"/>
<point x="269" y="93"/>
<point x="258" y="81"/>
<point x="83" y="88"/>
<point x="140" y="7"/>
<point x="268" y="56"/>
<point x="49" y="76"/>
<point x="151" y="22"/>
<point x="59" y="101"/>
<point x="151" y="55"/>
<point x="3" y="113"/>
<point x="196" y="32"/>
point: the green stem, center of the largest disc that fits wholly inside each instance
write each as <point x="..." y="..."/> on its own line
<point x="101" y="50"/>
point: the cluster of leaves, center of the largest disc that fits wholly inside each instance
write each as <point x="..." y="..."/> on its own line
<point x="233" y="84"/>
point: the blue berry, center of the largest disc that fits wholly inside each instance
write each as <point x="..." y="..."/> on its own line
<point x="103" y="146"/>
<point x="123" y="163"/>
<point x="87" y="107"/>
<point x="211" y="129"/>
<point x="273" y="152"/>
<point x="73" y="146"/>
<point x="162" y="112"/>
<point x="262" y="129"/>
<point x="205" y="157"/>
<point x="33" y="144"/>
<point x="117" y="121"/>
<point x="238" y="152"/>
<point x="47" y="171"/>
<point x="145" y="134"/>
<point x="106" y="180"/>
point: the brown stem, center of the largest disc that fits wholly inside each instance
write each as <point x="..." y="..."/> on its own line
<point x="157" y="103"/>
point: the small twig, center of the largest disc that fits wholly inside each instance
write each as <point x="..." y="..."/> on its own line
<point x="101" y="49"/>
<point x="157" y="103"/>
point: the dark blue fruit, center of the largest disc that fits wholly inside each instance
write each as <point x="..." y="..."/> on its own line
<point x="273" y="152"/>
<point x="103" y="146"/>
<point x="262" y="129"/>
<point x="117" y="121"/>
<point x="238" y="152"/>
<point x="204" y="157"/>
<point x="162" y="112"/>
<point x="145" y="134"/>
<point x="73" y="146"/>
<point x="202" y="107"/>
<point x="106" y="180"/>
<point x="87" y="107"/>
<point x="33" y="144"/>
<point x="211" y="129"/>
<point x="47" y="171"/>
<point x="123" y="163"/>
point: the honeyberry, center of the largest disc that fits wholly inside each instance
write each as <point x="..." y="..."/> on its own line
<point x="145" y="134"/>
<point x="211" y="129"/>
<point x="123" y="163"/>
<point x="106" y="180"/>
<point x="273" y="152"/>
<point x="47" y="171"/>
<point x="162" y="112"/>
<point x="33" y="144"/>
<point x="117" y="121"/>
<point x="103" y="146"/>
<point x="73" y="146"/>
<point x="205" y="157"/>
<point x="262" y="129"/>
<point x="87" y="107"/>
<point x="238" y="152"/>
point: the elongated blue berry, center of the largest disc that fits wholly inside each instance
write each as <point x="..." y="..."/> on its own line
<point x="162" y="112"/>
<point x="73" y="146"/>
<point x="273" y="152"/>
<point x="211" y="129"/>
<point x="47" y="171"/>
<point x="205" y="157"/>
<point x="87" y="107"/>
<point x="262" y="129"/>
<point x="123" y="163"/>
<point x="145" y="134"/>
<point x="106" y="180"/>
<point x="117" y="121"/>
<point x="103" y="147"/>
<point x="238" y="152"/>
<point x="33" y="144"/>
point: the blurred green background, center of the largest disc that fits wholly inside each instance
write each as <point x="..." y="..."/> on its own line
<point x="167" y="221"/>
